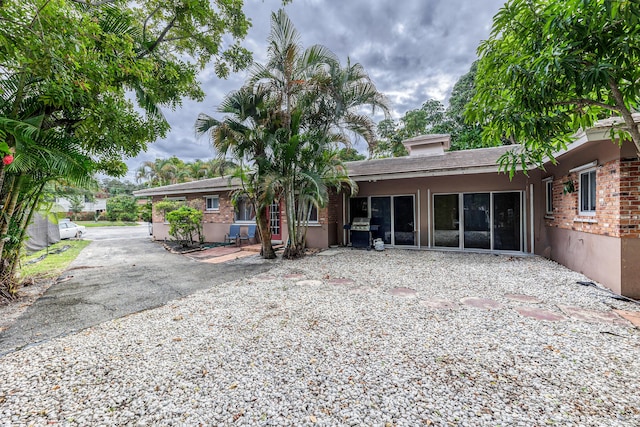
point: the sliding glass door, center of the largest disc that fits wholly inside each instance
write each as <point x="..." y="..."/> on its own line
<point x="446" y="220"/>
<point x="477" y="221"/>
<point x="491" y="221"/>
<point x="507" y="228"/>
<point x="394" y="216"/>
<point x="403" y="221"/>
<point x="381" y="216"/>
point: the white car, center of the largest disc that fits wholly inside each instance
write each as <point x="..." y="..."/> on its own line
<point x="70" y="229"/>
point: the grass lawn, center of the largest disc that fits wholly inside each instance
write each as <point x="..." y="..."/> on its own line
<point x="105" y="223"/>
<point x="53" y="264"/>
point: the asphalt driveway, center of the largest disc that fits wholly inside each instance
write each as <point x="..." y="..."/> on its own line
<point x="121" y="272"/>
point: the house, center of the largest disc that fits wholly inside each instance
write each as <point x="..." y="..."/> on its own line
<point x="583" y="211"/>
<point x="91" y="207"/>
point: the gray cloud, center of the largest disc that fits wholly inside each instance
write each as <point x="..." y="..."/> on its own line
<point x="413" y="49"/>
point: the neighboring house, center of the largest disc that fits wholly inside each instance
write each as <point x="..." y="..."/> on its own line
<point x="434" y="199"/>
<point x="95" y="207"/>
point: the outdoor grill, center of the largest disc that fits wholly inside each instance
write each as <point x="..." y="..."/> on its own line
<point x="361" y="229"/>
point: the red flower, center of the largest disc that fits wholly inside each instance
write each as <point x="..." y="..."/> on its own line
<point x="7" y="160"/>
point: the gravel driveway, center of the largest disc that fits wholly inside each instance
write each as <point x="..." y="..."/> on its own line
<point x="359" y="338"/>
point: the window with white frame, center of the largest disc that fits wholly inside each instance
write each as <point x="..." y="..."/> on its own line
<point x="587" y="193"/>
<point x="548" y="185"/>
<point x="313" y="213"/>
<point x="244" y="211"/>
<point x="212" y="203"/>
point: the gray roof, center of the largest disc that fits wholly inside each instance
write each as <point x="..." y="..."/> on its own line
<point x="202" y="186"/>
<point x="450" y="163"/>
<point x="480" y="160"/>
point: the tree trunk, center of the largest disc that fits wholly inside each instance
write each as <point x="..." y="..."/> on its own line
<point x="293" y="250"/>
<point x="264" y="229"/>
<point x="7" y="212"/>
<point x="6" y="279"/>
<point x="626" y="115"/>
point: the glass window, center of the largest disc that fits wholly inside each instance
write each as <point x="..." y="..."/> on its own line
<point x="477" y="224"/>
<point x="506" y="221"/>
<point x="381" y="216"/>
<point x="588" y="192"/>
<point x="213" y="203"/>
<point x="358" y="208"/>
<point x="446" y="228"/>
<point x="403" y="221"/>
<point x="549" y="195"/>
<point x="245" y="211"/>
<point x="313" y="213"/>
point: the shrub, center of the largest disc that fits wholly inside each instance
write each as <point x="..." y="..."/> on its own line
<point x="122" y="208"/>
<point x="145" y="211"/>
<point x="185" y="223"/>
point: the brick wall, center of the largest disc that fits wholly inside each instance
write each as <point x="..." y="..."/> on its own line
<point x="225" y="214"/>
<point x="617" y="201"/>
<point x="630" y="199"/>
<point x="333" y="211"/>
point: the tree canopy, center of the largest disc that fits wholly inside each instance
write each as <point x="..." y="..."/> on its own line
<point x="550" y="68"/>
<point x="432" y="118"/>
<point x="82" y="85"/>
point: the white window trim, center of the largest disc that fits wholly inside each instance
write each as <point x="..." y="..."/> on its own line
<point x="548" y="182"/>
<point x="580" y="211"/>
<point x="583" y="168"/>
<point x="215" y="196"/>
<point x="243" y="221"/>
<point x="312" y="221"/>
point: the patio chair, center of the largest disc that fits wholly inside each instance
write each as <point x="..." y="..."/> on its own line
<point x="251" y="234"/>
<point x="233" y="236"/>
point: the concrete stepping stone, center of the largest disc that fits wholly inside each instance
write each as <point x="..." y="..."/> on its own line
<point x="540" y="314"/>
<point x="592" y="316"/>
<point x="631" y="316"/>
<point x="523" y="298"/>
<point x="403" y="292"/>
<point x="341" y="281"/>
<point x="483" y="303"/>
<point x="439" y="304"/>
<point x="309" y="283"/>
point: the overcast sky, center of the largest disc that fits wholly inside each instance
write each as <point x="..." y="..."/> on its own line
<point x="413" y="50"/>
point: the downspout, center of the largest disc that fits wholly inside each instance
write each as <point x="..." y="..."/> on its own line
<point x="531" y="216"/>
<point x="344" y="218"/>
<point x="429" y="226"/>
<point x="419" y="214"/>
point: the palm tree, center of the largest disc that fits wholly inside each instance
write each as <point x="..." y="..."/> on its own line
<point x="287" y="121"/>
<point x="245" y="134"/>
<point x="219" y="167"/>
<point x="342" y="92"/>
<point x="318" y="101"/>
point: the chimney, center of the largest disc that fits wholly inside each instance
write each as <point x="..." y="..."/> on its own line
<point x="427" y="145"/>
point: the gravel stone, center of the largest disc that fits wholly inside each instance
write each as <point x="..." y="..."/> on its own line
<point x="288" y="348"/>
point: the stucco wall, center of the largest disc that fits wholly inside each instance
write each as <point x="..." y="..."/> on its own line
<point x="595" y="256"/>
<point x="630" y="268"/>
